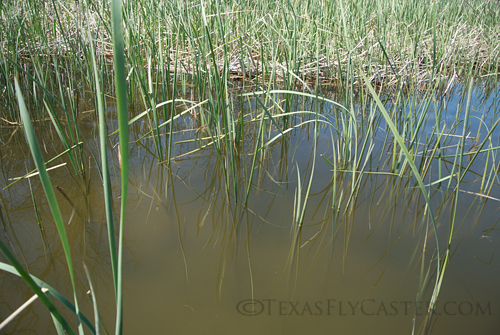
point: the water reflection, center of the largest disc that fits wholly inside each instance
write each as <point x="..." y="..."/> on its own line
<point x="196" y="261"/>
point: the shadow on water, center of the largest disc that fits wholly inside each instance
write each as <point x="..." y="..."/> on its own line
<point x="362" y="258"/>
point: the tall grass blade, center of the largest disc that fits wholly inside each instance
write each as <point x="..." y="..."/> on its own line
<point x="121" y="101"/>
<point x="108" y="202"/>
<point x="49" y="192"/>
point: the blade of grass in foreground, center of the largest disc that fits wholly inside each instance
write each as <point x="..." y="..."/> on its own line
<point x="121" y="101"/>
<point x="53" y="292"/>
<point x="31" y="283"/>
<point x="51" y="197"/>
<point x="108" y="202"/>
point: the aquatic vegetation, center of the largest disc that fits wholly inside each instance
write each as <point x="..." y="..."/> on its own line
<point x="334" y="107"/>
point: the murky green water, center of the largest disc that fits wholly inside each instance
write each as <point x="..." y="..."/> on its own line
<point x="197" y="263"/>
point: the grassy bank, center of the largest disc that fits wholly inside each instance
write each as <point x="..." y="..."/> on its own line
<point x="292" y="42"/>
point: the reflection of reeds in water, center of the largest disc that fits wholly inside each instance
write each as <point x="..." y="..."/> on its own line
<point x="272" y="167"/>
<point x="270" y="164"/>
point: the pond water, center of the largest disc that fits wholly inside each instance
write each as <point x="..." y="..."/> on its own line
<point x="198" y="262"/>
